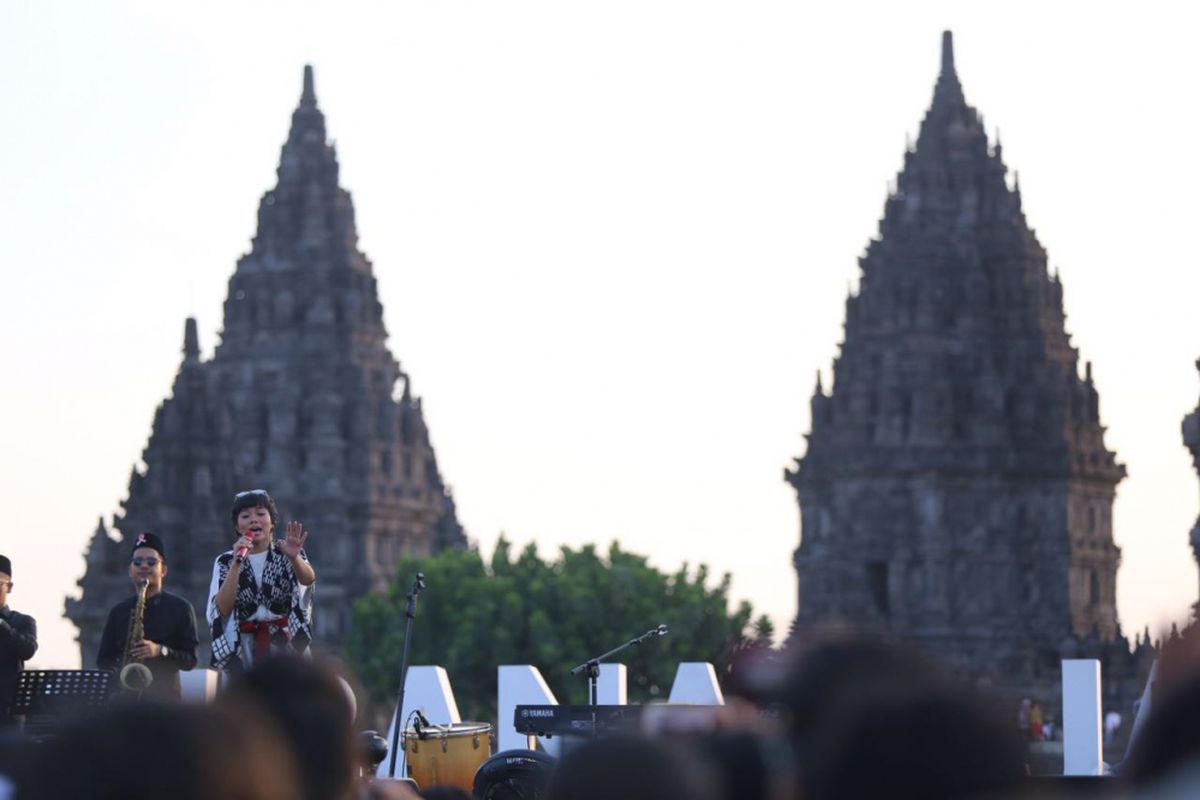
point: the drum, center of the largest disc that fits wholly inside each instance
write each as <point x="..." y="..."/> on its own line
<point x="447" y="755"/>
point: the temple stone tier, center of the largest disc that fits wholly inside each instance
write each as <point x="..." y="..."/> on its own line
<point x="956" y="492"/>
<point x="1191" y="439"/>
<point x="301" y="397"/>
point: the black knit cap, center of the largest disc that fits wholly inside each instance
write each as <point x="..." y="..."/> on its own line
<point x="145" y="539"/>
<point x="6" y="566"/>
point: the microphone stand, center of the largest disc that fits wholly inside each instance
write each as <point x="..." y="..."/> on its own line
<point x="411" y="614"/>
<point x="591" y="667"/>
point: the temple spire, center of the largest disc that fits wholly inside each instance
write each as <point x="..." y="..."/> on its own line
<point x="948" y="54"/>
<point x="308" y="97"/>
<point x="308" y="123"/>
<point x="307" y="218"/>
<point x="191" y="341"/>
<point x="948" y="97"/>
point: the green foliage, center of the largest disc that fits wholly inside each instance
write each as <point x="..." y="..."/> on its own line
<point x="552" y="614"/>
<point x="764" y="632"/>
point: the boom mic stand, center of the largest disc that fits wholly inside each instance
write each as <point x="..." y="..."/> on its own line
<point x="411" y="614"/>
<point x="591" y="667"/>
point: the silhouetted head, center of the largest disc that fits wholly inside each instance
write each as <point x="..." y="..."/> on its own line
<point x="744" y="765"/>
<point x="934" y="745"/>
<point x="147" y="751"/>
<point x="1170" y="737"/>
<point x="308" y="704"/>
<point x="870" y="720"/>
<point x="831" y="680"/>
<point x="5" y="579"/>
<point x="631" y="769"/>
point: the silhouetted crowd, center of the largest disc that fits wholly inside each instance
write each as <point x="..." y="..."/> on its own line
<point x="845" y="719"/>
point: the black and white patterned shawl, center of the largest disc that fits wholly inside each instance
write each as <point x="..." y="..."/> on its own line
<point x="282" y="595"/>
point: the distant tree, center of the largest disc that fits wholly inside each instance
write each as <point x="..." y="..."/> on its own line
<point x="764" y="632"/>
<point x="552" y="614"/>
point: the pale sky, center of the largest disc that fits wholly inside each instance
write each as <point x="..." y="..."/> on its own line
<point x="613" y="241"/>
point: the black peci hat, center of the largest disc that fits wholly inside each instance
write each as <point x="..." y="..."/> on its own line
<point x="145" y="539"/>
<point x="6" y="566"/>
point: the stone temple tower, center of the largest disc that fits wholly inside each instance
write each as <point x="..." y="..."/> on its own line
<point x="956" y="491"/>
<point x="302" y="398"/>
<point x="1191" y="439"/>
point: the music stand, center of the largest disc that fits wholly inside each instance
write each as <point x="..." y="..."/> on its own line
<point x="45" y="697"/>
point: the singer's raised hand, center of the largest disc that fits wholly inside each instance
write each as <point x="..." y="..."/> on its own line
<point x="296" y="537"/>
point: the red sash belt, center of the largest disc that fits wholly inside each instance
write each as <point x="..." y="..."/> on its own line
<point x="261" y="628"/>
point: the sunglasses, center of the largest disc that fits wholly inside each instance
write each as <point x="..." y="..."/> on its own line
<point x="150" y="561"/>
<point x="250" y="493"/>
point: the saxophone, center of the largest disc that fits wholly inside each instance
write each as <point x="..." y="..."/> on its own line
<point x="136" y="676"/>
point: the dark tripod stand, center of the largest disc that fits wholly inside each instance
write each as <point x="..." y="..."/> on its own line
<point x="591" y="667"/>
<point x="411" y="614"/>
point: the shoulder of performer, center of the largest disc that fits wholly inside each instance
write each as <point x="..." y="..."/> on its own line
<point x="224" y="558"/>
<point x="123" y="606"/>
<point x="18" y="617"/>
<point x="174" y="599"/>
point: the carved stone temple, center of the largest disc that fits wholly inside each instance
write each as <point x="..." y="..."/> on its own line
<point x="956" y="492"/>
<point x="302" y="398"/>
<point x="1191" y="440"/>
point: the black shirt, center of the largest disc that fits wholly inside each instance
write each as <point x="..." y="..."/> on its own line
<point x="169" y="621"/>
<point x="18" y="643"/>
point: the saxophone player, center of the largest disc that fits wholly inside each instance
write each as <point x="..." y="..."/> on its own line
<point x="169" y="624"/>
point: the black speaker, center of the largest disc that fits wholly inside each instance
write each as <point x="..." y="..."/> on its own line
<point x="513" y="775"/>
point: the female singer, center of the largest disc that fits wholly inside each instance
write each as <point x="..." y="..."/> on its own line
<point x="260" y="599"/>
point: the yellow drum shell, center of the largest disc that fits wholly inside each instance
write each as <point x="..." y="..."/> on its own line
<point x="447" y="755"/>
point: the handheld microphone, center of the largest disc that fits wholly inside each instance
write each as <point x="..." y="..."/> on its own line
<point x="239" y="555"/>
